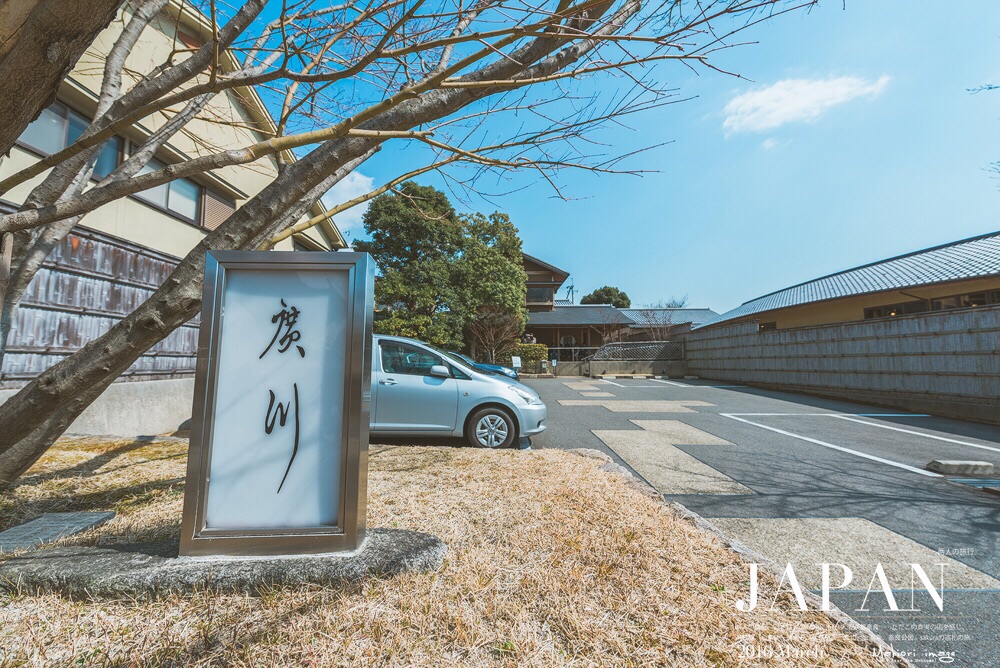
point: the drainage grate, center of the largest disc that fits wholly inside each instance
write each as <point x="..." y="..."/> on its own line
<point x="989" y="485"/>
<point x="978" y="482"/>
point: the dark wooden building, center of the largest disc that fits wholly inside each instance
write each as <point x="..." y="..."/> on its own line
<point x="543" y="282"/>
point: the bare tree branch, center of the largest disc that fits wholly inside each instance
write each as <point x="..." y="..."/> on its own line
<point x="348" y="79"/>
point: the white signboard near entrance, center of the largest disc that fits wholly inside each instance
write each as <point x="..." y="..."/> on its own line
<point x="281" y="411"/>
<point x="279" y="366"/>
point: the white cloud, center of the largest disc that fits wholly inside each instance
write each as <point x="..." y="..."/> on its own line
<point x="351" y="186"/>
<point x="769" y="144"/>
<point x="791" y="100"/>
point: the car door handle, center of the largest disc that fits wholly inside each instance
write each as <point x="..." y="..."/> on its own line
<point x="387" y="381"/>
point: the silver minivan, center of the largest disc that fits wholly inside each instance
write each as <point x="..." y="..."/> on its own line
<point x="418" y="390"/>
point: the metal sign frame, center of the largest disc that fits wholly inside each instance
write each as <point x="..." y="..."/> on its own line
<point x="349" y="532"/>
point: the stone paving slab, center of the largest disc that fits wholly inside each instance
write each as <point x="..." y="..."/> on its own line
<point x="680" y="433"/>
<point x="585" y="385"/>
<point x="150" y="569"/>
<point x="670" y="470"/>
<point x="48" y="528"/>
<point x="596" y="394"/>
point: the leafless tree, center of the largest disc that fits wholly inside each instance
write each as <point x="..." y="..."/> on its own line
<point x="344" y="80"/>
<point x="495" y="332"/>
<point x="613" y="326"/>
<point x="657" y="320"/>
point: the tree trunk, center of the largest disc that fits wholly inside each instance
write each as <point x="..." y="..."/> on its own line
<point x="31" y="420"/>
<point x="40" y="42"/>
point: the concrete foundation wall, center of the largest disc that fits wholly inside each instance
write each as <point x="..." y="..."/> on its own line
<point x="136" y="408"/>
<point x="654" y="368"/>
<point x="945" y="363"/>
<point x="569" y="369"/>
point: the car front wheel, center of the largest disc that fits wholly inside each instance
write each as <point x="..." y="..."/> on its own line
<point x="491" y="428"/>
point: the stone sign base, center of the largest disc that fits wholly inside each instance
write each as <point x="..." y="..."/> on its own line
<point x="150" y="569"/>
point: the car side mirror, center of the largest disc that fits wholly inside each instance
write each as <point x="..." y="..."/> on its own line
<point x="441" y="371"/>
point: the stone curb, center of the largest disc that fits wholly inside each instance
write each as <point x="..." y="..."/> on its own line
<point x="960" y="467"/>
<point x="591" y="453"/>
<point x="638" y="484"/>
<point x="151" y="570"/>
<point x="853" y="628"/>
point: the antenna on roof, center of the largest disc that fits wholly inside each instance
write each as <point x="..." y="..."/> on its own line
<point x="570" y="291"/>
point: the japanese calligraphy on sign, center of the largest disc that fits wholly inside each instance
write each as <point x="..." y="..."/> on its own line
<point x="285" y="319"/>
<point x="281" y="385"/>
<point x="276" y="411"/>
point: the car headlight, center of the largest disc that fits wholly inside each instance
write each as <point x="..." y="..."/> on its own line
<point x="510" y="373"/>
<point x="530" y="398"/>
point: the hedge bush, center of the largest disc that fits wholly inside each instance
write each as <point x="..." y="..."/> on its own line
<point x="532" y="355"/>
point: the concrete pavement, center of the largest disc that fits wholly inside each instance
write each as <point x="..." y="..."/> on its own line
<point x="805" y="480"/>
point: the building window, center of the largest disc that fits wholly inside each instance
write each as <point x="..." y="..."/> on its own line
<point x="539" y="296"/>
<point x="969" y="300"/>
<point x="181" y="197"/>
<point x="216" y="209"/>
<point x="57" y="127"/>
<point x="768" y="326"/>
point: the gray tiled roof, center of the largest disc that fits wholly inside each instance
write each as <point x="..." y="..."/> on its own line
<point x="969" y="258"/>
<point x="579" y="314"/>
<point x="645" y="317"/>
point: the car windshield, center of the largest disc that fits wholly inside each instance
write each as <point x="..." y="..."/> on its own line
<point x="461" y="360"/>
<point x="460" y="357"/>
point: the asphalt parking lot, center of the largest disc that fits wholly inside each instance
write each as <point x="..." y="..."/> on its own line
<point x="805" y="481"/>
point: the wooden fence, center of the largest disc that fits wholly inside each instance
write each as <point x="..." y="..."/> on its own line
<point x="947" y="362"/>
<point x="87" y="284"/>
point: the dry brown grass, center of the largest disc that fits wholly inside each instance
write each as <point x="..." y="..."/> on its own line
<point x="551" y="562"/>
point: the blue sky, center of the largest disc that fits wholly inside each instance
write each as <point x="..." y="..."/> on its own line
<point x="854" y="139"/>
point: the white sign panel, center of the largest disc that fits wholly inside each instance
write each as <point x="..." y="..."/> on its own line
<point x="280" y="381"/>
<point x="515" y="361"/>
<point x="277" y="463"/>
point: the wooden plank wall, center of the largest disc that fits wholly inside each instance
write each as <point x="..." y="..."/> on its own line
<point x="88" y="283"/>
<point x="946" y="362"/>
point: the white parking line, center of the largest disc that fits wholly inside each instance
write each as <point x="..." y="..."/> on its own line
<point x="670" y="382"/>
<point x="918" y="433"/>
<point x="832" y="414"/>
<point x="831" y="446"/>
<point x="886" y="414"/>
<point x="610" y="383"/>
